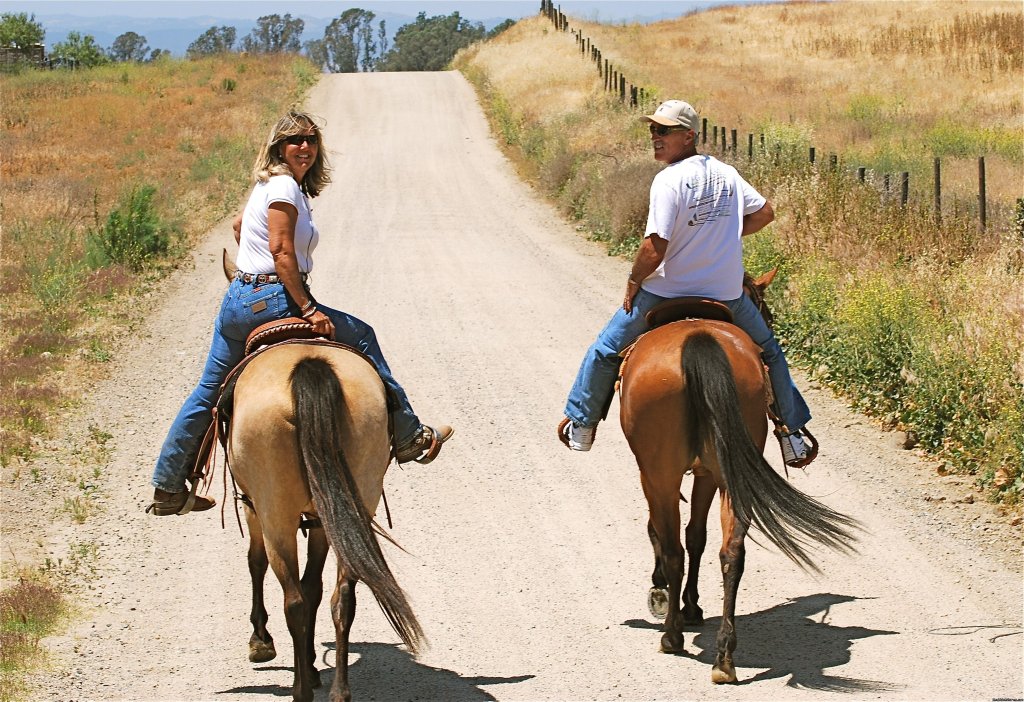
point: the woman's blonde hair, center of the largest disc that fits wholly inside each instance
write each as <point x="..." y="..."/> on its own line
<point x="269" y="161"/>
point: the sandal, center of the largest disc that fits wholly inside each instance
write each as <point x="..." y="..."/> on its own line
<point x="165" y="503"/>
<point x="426" y="445"/>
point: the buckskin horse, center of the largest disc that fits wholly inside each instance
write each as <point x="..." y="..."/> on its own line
<point x="693" y="397"/>
<point x="309" y="445"/>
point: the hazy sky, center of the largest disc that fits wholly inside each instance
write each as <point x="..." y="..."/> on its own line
<point x="606" y="10"/>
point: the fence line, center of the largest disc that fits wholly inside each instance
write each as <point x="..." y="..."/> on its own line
<point x="635" y="97"/>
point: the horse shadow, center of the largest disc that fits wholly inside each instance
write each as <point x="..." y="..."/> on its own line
<point x="388" y="672"/>
<point x="792" y="639"/>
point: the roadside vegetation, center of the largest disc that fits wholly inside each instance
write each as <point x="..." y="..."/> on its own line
<point x="916" y="321"/>
<point x="109" y="175"/>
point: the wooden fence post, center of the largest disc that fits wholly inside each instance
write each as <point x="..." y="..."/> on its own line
<point x="833" y="162"/>
<point x="938" y="190"/>
<point x="860" y="173"/>
<point x="982" y="223"/>
<point x="704" y="131"/>
<point x="904" y="188"/>
<point x="733" y="140"/>
<point x="811" y="154"/>
<point x="750" y="146"/>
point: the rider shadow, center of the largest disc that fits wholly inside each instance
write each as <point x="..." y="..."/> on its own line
<point x="792" y="639"/>
<point x="388" y="672"/>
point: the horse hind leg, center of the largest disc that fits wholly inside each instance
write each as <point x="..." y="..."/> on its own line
<point x="657" y="596"/>
<point x="282" y="552"/>
<point x="732" y="557"/>
<point x="261" y="643"/>
<point x="312" y="592"/>
<point x="343" y="611"/>
<point x="663" y="501"/>
<point x="704" y="489"/>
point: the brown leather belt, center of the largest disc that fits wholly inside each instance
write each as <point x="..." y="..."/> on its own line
<point x="263" y="278"/>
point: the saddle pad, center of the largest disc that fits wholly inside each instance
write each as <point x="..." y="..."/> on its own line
<point x="688" y="308"/>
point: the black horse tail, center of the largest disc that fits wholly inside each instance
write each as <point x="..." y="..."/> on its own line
<point x="319" y="407"/>
<point x="760" y="496"/>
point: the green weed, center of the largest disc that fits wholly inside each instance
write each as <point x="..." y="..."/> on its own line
<point x="133" y="234"/>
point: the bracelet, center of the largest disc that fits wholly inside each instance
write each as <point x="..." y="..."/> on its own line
<point x="307" y="315"/>
<point x="305" y="308"/>
<point x="634" y="282"/>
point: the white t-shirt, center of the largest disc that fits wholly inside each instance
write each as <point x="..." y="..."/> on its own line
<point x="254" y="242"/>
<point x="698" y="205"/>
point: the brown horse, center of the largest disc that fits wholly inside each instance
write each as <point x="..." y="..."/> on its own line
<point x="309" y="436"/>
<point x="693" y="397"/>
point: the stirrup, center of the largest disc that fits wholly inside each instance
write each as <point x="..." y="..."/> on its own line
<point x="812" y="447"/>
<point x="426" y="445"/>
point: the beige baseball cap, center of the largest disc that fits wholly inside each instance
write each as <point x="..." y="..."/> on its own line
<point x="675" y="113"/>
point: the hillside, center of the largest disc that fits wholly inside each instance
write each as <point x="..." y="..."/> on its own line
<point x="902" y="303"/>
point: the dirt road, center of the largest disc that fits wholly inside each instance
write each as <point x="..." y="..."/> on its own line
<point x="527" y="565"/>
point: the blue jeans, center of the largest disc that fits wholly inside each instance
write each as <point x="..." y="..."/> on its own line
<point x="595" y="383"/>
<point x="234" y="323"/>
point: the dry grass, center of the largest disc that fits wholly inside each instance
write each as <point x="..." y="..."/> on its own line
<point x="73" y="144"/>
<point x="883" y="84"/>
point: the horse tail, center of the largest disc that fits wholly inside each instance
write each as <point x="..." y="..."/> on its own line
<point x="760" y="496"/>
<point x="319" y="407"/>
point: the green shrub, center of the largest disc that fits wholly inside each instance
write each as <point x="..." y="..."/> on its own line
<point x="133" y="234"/>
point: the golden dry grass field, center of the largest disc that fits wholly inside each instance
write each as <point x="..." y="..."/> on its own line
<point x="883" y="84"/>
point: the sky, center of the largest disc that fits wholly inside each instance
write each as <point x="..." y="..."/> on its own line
<point x="173" y="25"/>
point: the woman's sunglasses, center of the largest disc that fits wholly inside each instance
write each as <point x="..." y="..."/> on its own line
<point x="662" y="130"/>
<point x="297" y="139"/>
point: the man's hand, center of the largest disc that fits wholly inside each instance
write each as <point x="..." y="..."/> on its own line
<point x="632" y="287"/>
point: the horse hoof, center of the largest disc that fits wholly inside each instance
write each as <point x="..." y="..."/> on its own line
<point x="693" y="617"/>
<point x="720" y="676"/>
<point x="672" y="642"/>
<point x="657" y="602"/>
<point x="261" y="651"/>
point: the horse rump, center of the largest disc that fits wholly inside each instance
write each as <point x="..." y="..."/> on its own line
<point x="789" y="518"/>
<point x="319" y="409"/>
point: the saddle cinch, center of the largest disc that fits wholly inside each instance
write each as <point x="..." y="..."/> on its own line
<point x="681" y="308"/>
<point x="291" y="330"/>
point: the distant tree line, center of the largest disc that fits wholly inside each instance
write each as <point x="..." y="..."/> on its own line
<point x="352" y="42"/>
<point x="21" y="31"/>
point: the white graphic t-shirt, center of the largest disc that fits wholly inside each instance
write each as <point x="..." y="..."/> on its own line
<point x="698" y="205"/>
<point x="254" y="243"/>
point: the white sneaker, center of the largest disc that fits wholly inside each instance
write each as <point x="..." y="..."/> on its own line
<point x="794" y="450"/>
<point x="580" y="438"/>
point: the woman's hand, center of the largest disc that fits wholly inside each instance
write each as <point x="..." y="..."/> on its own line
<point x="321" y="324"/>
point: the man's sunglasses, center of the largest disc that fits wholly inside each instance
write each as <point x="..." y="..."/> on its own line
<point x="297" y="139"/>
<point x="662" y="130"/>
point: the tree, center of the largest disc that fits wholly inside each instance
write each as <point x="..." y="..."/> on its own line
<point x="129" y="47"/>
<point x="20" y="30"/>
<point x="158" y="55"/>
<point x="81" y="50"/>
<point x="429" y="43"/>
<point x="500" y="28"/>
<point x="215" y="40"/>
<point x="348" y="44"/>
<point x="274" y="34"/>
